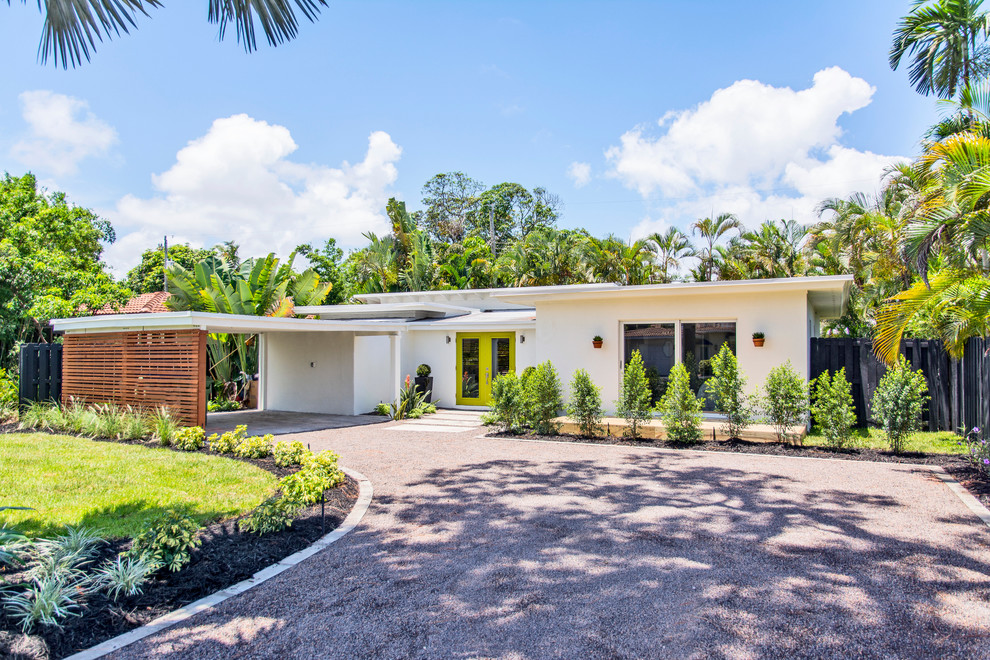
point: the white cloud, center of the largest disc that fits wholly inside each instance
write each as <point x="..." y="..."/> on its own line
<point x="758" y="151"/>
<point x="63" y="133"/>
<point x="580" y="173"/>
<point x="236" y="183"/>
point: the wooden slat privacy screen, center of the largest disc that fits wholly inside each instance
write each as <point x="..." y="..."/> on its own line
<point x="144" y="369"/>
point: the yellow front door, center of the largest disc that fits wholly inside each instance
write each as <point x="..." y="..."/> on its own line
<point x="480" y="357"/>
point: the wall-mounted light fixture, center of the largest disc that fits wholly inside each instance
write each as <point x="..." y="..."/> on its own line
<point x="448" y="339"/>
<point x="522" y="339"/>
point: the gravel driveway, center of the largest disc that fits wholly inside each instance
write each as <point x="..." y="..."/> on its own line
<point x="512" y="549"/>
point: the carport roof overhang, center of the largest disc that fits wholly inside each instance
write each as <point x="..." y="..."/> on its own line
<point x="212" y="322"/>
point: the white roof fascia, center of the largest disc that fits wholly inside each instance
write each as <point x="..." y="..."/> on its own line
<point x="476" y="294"/>
<point x="410" y="309"/>
<point x="213" y="322"/>
<point x="562" y="293"/>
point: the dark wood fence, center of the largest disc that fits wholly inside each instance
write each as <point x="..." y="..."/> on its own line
<point x="959" y="389"/>
<point x="40" y="372"/>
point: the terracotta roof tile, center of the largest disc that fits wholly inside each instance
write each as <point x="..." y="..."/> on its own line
<point x="145" y="303"/>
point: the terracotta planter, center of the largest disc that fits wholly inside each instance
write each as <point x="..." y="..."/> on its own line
<point x="597" y="344"/>
<point x="758" y="341"/>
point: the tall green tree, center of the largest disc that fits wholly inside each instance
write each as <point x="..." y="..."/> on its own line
<point x="671" y="248"/>
<point x="711" y="230"/>
<point x="149" y="275"/>
<point x="73" y="27"/>
<point x="328" y="263"/>
<point x="946" y="44"/>
<point x="450" y="199"/>
<point x="50" y="263"/>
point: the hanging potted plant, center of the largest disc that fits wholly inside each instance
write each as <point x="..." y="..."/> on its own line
<point x="424" y="381"/>
<point x="758" y="339"/>
<point x="597" y="341"/>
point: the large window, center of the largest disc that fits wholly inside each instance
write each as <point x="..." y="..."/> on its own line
<point x="699" y="344"/>
<point x="656" y="343"/>
<point x="693" y="344"/>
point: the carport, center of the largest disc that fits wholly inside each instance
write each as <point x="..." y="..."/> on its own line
<point x="338" y="367"/>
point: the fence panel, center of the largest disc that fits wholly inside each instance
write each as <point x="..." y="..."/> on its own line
<point x="40" y="368"/>
<point x="959" y="390"/>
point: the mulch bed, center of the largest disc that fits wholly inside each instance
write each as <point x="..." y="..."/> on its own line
<point x="957" y="466"/>
<point x="226" y="557"/>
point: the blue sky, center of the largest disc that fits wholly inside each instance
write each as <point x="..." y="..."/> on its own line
<point x="768" y="108"/>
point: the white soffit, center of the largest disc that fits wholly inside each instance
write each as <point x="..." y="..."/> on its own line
<point x="212" y="322"/>
<point x="407" y="310"/>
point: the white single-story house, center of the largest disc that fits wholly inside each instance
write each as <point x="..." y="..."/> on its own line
<point x="350" y="357"/>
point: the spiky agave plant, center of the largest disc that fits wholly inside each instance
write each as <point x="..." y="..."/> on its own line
<point x="124" y="576"/>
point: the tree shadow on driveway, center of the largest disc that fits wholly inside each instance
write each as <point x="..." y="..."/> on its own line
<point x="661" y="555"/>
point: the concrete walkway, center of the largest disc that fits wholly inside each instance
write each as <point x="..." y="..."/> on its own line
<point x="477" y="547"/>
<point x="261" y="422"/>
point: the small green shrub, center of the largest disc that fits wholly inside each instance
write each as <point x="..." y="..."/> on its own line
<point x="133" y="424"/>
<point x="728" y="385"/>
<point x="164" y="426"/>
<point x="222" y="405"/>
<point x="227" y="442"/>
<point x="8" y="389"/>
<point x="585" y="405"/>
<point x="415" y="413"/>
<point x="899" y="402"/>
<point x="410" y="399"/>
<point x="680" y="409"/>
<point x="45" y="601"/>
<point x="423" y="371"/>
<point x="289" y="453"/>
<point x="785" y="403"/>
<point x="124" y="576"/>
<point x="273" y="515"/>
<point x="191" y="438"/>
<point x="318" y="474"/>
<point x="428" y="408"/>
<point x="383" y="409"/>
<point x="832" y="408"/>
<point x="507" y="403"/>
<point x="634" y="399"/>
<point x="255" y="446"/>
<point x="168" y="541"/>
<point x="543" y="400"/>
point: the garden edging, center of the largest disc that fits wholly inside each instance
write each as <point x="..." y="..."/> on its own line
<point x="365" y="494"/>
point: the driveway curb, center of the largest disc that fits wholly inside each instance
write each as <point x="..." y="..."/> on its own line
<point x="365" y="494"/>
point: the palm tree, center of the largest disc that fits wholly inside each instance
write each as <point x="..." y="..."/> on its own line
<point x="711" y="230"/>
<point x="670" y="247"/>
<point x="73" y="27"/>
<point x="945" y="41"/>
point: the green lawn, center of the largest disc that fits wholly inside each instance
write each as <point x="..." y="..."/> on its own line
<point x="937" y="442"/>
<point x="117" y="488"/>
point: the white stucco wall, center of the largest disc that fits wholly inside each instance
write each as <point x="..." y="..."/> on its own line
<point x="310" y="372"/>
<point x="564" y="331"/>
<point x="372" y="374"/>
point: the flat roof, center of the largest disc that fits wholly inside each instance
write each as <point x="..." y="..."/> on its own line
<point x="213" y="322"/>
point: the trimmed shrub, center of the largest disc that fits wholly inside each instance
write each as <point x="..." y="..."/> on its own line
<point x="728" y="385"/>
<point x="899" y="402"/>
<point x="289" y="453"/>
<point x="273" y="515"/>
<point x="508" y="403"/>
<point x="634" y="400"/>
<point x="318" y="474"/>
<point x="168" y="542"/>
<point x="383" y="409"/>
<point x="255" y="446"/>
<point x="786" y="400"/>
<point x="585" y="406"/>
<point x="680" y="409"/>
<point x="832" y="408"/>
<point x="226" y="443"/>
<point x="190" y="438"/>
<point x="543" y="400"/>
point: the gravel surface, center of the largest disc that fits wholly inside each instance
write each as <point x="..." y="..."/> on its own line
<point x="484" y="547"/>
